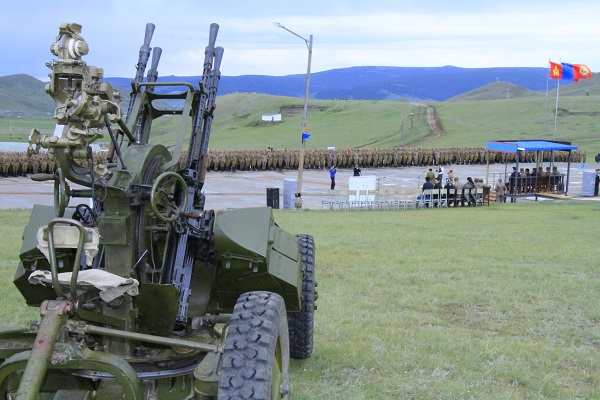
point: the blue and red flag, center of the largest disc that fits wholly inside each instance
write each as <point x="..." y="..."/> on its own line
<point x="575" y="71"/>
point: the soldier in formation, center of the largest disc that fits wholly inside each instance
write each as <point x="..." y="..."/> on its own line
<point x="18" y="164"/>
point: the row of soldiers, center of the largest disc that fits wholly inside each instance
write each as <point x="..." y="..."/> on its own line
<point x="15" y="163"/>
<point x="276" y="159"/>
<point x="18" y="164"/>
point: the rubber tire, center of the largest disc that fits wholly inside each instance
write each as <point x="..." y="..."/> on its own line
<point x="256" y="349"/>
<point x="301" y="324"/>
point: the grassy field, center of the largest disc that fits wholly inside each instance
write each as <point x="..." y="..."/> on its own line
<point x="338" y="123"/>
<point x="498" y="302"/>
<point x="493" y="303"/>
<point x="525" y="118"/>
<point x="353" y="123"/>
<point x="18" y="129"/>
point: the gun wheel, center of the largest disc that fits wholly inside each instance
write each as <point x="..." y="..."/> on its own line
<point x="155" y="241"/>
<point x="61" y="193"/>
<point x="169" y="197"/>
<point x="256" y="351"/>
<point x="301" y="324"/>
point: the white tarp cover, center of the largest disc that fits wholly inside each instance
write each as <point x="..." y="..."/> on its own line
<point x="67" y="237"/>
<point x="111" y="286"/>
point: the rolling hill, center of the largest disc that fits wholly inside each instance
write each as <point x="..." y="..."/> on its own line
<point x="376" y="83"/>
<point x="496" y="110"/>
<point x="24" y="95"/>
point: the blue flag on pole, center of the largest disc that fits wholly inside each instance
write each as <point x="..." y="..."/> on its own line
<point x="305" y="135"/>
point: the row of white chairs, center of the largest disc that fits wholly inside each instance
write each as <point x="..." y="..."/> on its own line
<point x="351" y="200"/>
<point x="450" y="197"/>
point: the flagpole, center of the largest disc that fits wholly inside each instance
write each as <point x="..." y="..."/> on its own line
<point x="556" y="111"/>
<point x="546" y="105"/>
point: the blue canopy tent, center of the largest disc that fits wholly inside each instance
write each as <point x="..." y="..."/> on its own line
<point x="555" y="184"/>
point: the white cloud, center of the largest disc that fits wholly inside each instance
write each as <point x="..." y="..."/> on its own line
<point x="346" y="33"/>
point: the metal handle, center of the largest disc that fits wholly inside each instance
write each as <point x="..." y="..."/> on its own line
<point x="52" y="254"/>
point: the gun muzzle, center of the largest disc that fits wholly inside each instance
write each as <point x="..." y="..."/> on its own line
<point x="218" y="58"/>
<point x="153" y="72"/>
<point x="212" y="36"/>
<point x="145" y="48"/>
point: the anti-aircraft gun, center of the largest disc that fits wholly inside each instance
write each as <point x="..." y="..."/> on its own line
<point x="144" y="294"/>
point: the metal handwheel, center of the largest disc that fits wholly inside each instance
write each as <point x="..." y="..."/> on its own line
<point x="169" y="196"/>
<point x="62" y="193"/>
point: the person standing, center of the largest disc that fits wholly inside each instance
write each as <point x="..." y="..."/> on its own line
<point x="356" y="170"/>
<point x="440" y="173"/>
<point x="467" y="194"/>
<point x="332" y="172"/>
<point x="500" y="191"/>
<point x="430" y="175"/>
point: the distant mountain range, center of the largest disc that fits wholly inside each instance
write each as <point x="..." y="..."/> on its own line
<point x="376" y="83"/>
<point x="25" y="94"/>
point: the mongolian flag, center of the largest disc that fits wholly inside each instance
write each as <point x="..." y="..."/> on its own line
<point x="575" y="71"/>
<point x="556" y="70"/>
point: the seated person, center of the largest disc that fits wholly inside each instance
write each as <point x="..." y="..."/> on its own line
<point x="427" y="185"/>
<point x="436" y="195"/>
<point x="449" y="187"/>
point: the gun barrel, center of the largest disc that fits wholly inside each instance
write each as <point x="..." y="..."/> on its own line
<point x="212" y="36"/>
<point x="196" y="144"/>
<point x="148" y="35"/>
<point x="144" y="52"/>
<point x="218" y="58"/>
<point x="215" y="76"/>
<point x="209" y="55"/>
<point x="140" y="66"/>
<point x="153" y="72"/>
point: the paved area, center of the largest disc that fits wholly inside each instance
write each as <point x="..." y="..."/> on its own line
<point x="248" y="188"/>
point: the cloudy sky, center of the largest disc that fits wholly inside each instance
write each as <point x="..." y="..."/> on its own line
<point x="466" y="33"/>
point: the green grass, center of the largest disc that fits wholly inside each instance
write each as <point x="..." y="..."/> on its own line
<point x="338" y="123"/>
<point x="487" y="303"/>
<point x="493" y="303"/>
<point x="377" y="124"/>
<point x="18" y="129"/>
<point x="527" y="118"/>
<point x="14" y="310"/>
<point x="343" y="123"/>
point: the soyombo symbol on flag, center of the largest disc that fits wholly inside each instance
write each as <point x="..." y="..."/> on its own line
<point x="556" y="70"/>
<point x="575" y="71"/>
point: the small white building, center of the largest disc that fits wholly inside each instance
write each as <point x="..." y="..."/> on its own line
<point x="271" y="117"/>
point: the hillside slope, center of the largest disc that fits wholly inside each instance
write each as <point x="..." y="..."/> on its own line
<point x="497" y="91"/>
<point x="23" y="95"/>
<point x="467" y="120"/>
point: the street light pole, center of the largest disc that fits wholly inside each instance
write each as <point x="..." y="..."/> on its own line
<point x="309" y="43"/>
<point x="402" y="133"/>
